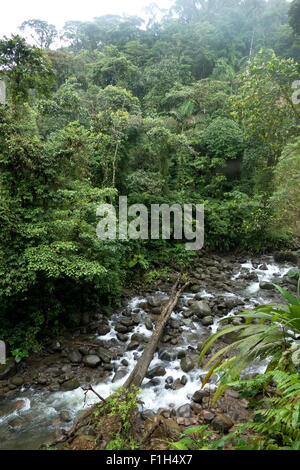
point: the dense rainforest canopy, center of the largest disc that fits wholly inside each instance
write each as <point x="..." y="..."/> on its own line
<point x="194" y="105"/>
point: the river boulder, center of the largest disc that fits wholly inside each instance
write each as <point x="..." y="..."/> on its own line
<point x="92" y="360"/>
<point x="187" y="364"/>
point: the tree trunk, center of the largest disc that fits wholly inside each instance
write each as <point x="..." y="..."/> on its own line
<point x="140" y="370"/>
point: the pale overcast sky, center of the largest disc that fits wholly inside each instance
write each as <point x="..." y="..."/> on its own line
<point x="57" y="12"/>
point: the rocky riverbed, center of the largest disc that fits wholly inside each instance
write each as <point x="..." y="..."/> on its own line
<point x="42" y="396"/>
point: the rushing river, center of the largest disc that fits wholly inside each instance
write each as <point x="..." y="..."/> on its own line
<point x="39" y="411"/>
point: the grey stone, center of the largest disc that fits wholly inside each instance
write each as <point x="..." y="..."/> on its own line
<point x="149" y="324"/>
<point x="266" y="285"/>
<point x="133" y="345"/>
<point x="183" y="380"/>
<point x="169" y="380"/>
<point x="75" y="356"/>
<point x="186" y="364"/>
<point x="184" y="411"/>
<point x="201" y="308"/>
<point x="158" y="371"/>
<point x="199" y="395"/>
<point x="91" y="360"/>
<point x="157" y="300"/>
<point x="206" y="321"/>
<point x="69" y="385"/>
<point x="222" y="423"/>
<point x="120" y="374"/>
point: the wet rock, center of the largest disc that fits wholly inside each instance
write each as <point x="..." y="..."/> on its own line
<point x="251" y="276"/>
<point x="166" y="339"/>
<point x="184" y="411"/>
<point x="206" y="321"/>
<point x="152" y="383"/>
<point x="187" y="313"/>
<point x="183" y="380"/>
<point x="17" y="380"/>
<point x="92" y="352"/>
<point x="126" y="321"/>
<point x="104" y="355"/>
<point x="181" y="354"/>
<point x="158" y="371"/>
<point x="146" y="414"/>
<point x="266" y="285"/>
<point x="121" y="337"/>
<point x="232" y="302"/>
<point x="263" y="267"/>
<point x="149" y="324"/>
<point x="169" y="380"/>
<point x="103" y="330"/>
<point x="75" y="356"/>
<point x="196" y="408"/>
<point x="157" y="300"/>
<point x="200" y="308"/>
<point x="65" y="416"/>
<point x="120" y="374"/>
<point x="222" y="423"/>
<point x="137" y="337"/>
<point x="207" y="416"/>
<point x="167" y="355"/>
<point x="92" y="360"/>
<point x="199" y="395"/>
<point x="124" y="362"/>
<point x="69" y="385"/>
<point x="164" y="412"/>
<point x="177" y="385"/>
<point x="186" y="364"/>
<point x="121" y="329"/>
<point x="133" y="345"/>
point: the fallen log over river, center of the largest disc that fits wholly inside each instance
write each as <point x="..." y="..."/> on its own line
<point x="136" y="377"/>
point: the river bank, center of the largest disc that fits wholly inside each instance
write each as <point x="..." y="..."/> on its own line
<point x="42" y="397"/>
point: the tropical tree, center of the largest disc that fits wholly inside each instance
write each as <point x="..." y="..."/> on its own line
<point x="41" y="32"/>
<point x="294" y="16"/>
<point x="25" y="68"/>
<point x="263" y="104"/>
<point x="286" y="198"/>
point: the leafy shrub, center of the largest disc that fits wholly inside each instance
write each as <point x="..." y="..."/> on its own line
<point x="274" y="337"/>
